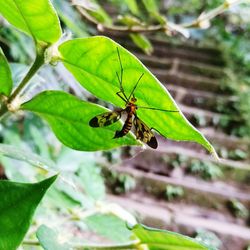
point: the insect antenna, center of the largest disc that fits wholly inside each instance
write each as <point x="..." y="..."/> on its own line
<point x="133" y="90"/>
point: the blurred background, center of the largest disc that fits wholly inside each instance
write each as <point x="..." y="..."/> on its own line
<point x="206" y="68"/>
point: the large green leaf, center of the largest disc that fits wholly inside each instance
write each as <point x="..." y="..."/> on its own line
<point x="5" y="76"/>
<point x="69" y="119"/>
<point x="94" y="63"/>
<point x="17" y="206"/>
<point x="36" y="18"/>
<point x="156" y="239"/>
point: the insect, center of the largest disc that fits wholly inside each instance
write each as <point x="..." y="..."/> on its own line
<point x="142" y="131"/>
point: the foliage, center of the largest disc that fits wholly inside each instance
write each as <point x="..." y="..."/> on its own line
<point x="119" y="183"/>
<point x="5" y="76"/>
<point x="209" y="238"/>
<point x="173" y="192"/>
<point x="18" y="205"/>
<point x="238" y="209"/>
<point x="206" y="170"/>
<point x="77" y="201"/>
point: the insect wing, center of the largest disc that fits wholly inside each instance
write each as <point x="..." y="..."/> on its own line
<point x="144" y="133"/>
<point x="105" y="119"/>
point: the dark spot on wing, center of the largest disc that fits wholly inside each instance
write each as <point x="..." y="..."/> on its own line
<point x="94" y="122"/>
<point x="153" y="143"/>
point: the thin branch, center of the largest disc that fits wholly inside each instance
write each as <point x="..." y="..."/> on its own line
<point x="129" y="245"/>
<point x="133" y="29"/>
<point x="206" y="17"/>
<point x="201" y="22"/>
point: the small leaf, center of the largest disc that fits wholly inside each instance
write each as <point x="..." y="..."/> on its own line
<point x="36" y="18"/>
<point x="69" y="119"/>
<point x="151" y="6"/>
<point x="109" y="226"/>
<point x="157" y="239"/>
<point x="95" y="10"/>
<point x="142" y="42"/>
<point x="17" y="206"/>
<point x="5" y="75"/>
<point x="133" y="7"/>
<point x="94" y="63"/>
<point x="49" y="239"/>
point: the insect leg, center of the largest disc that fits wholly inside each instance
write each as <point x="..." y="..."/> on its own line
<point x="166" y="110"/>
<point x="121" y="76"/>
<point x="122" y="97"/>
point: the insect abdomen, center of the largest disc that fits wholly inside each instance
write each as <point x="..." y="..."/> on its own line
<point x="126" y="127"/>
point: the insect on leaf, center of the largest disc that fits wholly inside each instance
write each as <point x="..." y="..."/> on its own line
<point x="105" y="119"/>
<point x="95" y="64"/>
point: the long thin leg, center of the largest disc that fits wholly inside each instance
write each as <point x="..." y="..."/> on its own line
<point x="166" y="110"/>
<point x="119" y="94"/>
<point x="120" y="79"/>
<point x="121" y="89"/>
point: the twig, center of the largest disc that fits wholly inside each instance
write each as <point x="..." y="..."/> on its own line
<point x="201" y="22"/>
<point x="123" y="28"/>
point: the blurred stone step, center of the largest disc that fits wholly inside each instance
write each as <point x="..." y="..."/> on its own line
<point x="169" y="50"/>
<point x="182" y="65"/>
<point x="224" y="140"/>
<point x="187" y="80"/>
<point x="195" y="191"/>
<point x="200" y="98"/>
<point x="152" y="212"/>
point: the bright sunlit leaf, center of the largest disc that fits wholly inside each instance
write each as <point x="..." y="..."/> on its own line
<point x="69" y="119"/>
<point x="94" y="63"/>
<point x="36" y="18"/>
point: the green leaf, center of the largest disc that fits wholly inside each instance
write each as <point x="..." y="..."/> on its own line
<point x="5" y="75"/>
<point x="69" y="119"/>
<point x="151" y="6"/>
<point x="142" y="42"/>
<point x="17" y="206"/>
<point x="133" y="7"/>
<point x="36" y="18"/>
<point x="157" y="239"/>
<point x="94" y="63"/>
<point x="49" y="239"/>
<point x="109" y="226"/>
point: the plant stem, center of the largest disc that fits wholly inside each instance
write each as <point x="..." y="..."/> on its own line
<point x="129" y="245"/>
<point x="31" y="242"/>
<point x="39" y="61"/>
<point x="133" y="245"/>
<point x="159" y="27"/>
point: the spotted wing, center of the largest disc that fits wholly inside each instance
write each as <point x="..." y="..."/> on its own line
<point x="105" y="119"/>
<point x="144" y="133"/>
